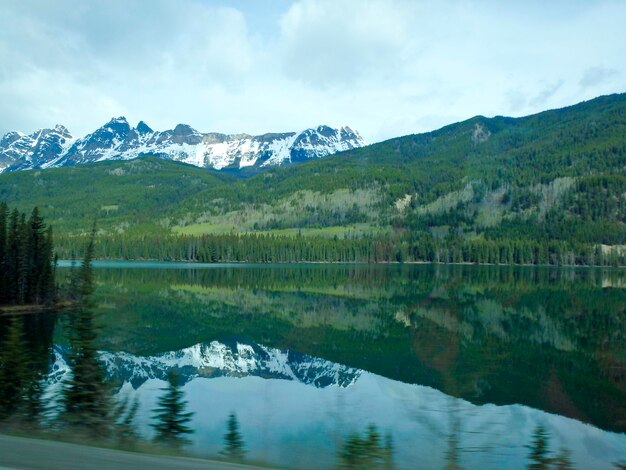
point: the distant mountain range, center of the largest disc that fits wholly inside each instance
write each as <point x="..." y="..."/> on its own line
<point x="117" y="140"/>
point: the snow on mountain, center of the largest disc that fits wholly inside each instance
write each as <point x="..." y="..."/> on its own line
<point x="117" y="140"/>
<point x="37" y="150"/>
<point x="217" y="359"/>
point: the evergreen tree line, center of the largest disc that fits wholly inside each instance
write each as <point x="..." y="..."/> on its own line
<point x="26" y="258"/>
<point x="421" y="247"/>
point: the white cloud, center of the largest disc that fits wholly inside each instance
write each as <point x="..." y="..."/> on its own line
<point x="384" y="67"/>
<point x="328" y="42"/>
<point x="595" y="76"/>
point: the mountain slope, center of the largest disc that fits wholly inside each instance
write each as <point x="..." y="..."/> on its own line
<point x="559" y="175"/>
<point x="121" y="195"/>
<point x="474" y="175"/>
<point x="117" y="140"/>
<point x="589" y="137"/>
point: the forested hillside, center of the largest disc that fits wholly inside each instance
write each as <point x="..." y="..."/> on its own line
<point x="547" y="188"/>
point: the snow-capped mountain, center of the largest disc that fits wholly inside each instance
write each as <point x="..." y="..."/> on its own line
<point x="217" y="359"/>
<point x="36" y="150"/>
<point x="117" y="140"/>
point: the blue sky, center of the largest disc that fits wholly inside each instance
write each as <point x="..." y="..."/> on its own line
<point x="383" y="67"/>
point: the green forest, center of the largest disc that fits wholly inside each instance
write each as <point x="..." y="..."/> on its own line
<point x="544" y="189"/>
<point x="26" y="258"/>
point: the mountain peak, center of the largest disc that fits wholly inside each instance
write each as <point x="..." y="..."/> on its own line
<point x="10" y="136"/>
<point x="118" y="120"/>
<point x="118" y="126"/>
<point x="62" y="130"/>
<point x="184" y="129"/>
<point x="324" y="129"/>
<point x="143" y="128"/>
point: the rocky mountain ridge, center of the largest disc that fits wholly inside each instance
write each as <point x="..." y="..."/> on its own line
<point x="118" y="140"/>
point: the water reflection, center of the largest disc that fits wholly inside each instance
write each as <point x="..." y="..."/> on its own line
<point x="25" y="358"/>
<point x="367" y="451"/>
<point x="553" y="340"/>
<point x="234" y="446"/>
<point x="294" y="417"/>
<point x="457" y="365"/>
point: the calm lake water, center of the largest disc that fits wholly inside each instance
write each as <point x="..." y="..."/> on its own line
<point x="454" y="363"/>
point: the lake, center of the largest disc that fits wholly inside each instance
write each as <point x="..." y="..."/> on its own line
<point x="454" y="365"/>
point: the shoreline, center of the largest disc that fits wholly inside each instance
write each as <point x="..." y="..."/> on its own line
<point x="8" y="310"/>
<point x="97" y="263"/>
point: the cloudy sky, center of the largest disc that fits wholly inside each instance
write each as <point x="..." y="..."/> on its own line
<point x="383" y="67"/>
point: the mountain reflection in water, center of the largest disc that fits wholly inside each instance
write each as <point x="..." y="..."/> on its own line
<point x="295" y="409"/>
<point x="454" y="363"/>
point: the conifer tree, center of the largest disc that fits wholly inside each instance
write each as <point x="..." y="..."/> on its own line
<point x="11" y="257"/>
<point x="4" y="214"/>
<point x="86" y="396"/>
<point x="125" y="430"/>
<point x="48" y="269"/>
<point x="539" y="449"/>
<point x="233" y="441"/>
<point x="170" y="415"/>
<point x="367" y="451"/>
<point x="13" y="373"/>
<point x="23" y="259"/>
<point x="26" y="252"/>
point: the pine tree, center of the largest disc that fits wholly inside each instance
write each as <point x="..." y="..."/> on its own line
<point x="171" y="418"/>
<point x="48" y="269"/>
<point x="233" y="441"/>
<point x="11" y="257"/>
<point x="39" y="258"/>
<point x="367" y="451"/>
<point x="539" y="449"/>
<point x="85" y="273"/>
<point x="13" y="373"/>
<point x="23" y="259"/>
<point x="86" y="396"/>
<point x="125" y="430"/>
<point x="4" y="213"/>
<point x="26" y="252"/>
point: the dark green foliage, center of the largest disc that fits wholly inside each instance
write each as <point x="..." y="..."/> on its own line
<point x="26" y="258"/>
<point x="420" y="247"/>
<point x="136" y="192"/>
<point x="85" y="272"/>
<point x="599" y="197"/>
<point x="25" y="346"/>
<point x="171" y="418"/>
<point x="234" y="447"/>
<point x="4" y="280"/>
<point x="13" y="369"/>
<point x="367" y="451"/>
<point x="86" y="396"/>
